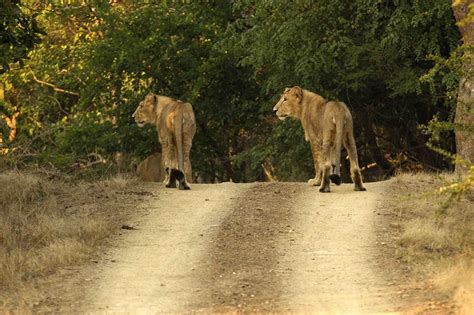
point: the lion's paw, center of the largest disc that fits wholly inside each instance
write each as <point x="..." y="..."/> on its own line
<point x="325" y="189"/>
<point x="314" y="182"/>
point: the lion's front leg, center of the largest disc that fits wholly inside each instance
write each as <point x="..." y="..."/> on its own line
<point x="356" y="175"/>
<point x="315" y="149"/>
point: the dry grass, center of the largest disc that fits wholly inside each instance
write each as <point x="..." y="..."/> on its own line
<point x="458" y="278"/>
<point x="49" y="224"/>
<point x="436" y="241"/>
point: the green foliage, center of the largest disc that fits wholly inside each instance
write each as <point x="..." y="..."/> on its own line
<point x="232" y="60"/>
<point x="117" y="54"/>
<point x="19" y="32"/>
<point x="454" y="191"/>
<point x="370" y="54"/>
<point x="447" y="70"/>
<point x="294" y="164"/>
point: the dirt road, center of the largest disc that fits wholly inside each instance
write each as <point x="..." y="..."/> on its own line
<point x="279" y="247"/>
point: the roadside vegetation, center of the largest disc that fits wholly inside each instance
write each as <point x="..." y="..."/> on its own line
<point x="435" y="222"/>
<point x="48" y="224"/>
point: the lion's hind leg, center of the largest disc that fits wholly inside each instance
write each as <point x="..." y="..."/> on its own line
<point x="325" y="166"/>
<point x="171" y="179"/>
<point x="335" y="172"/>
<point x="356" y="175"/>
<point x="176" y="175"/>
<point x="182" y="184"/>
<point x="325" y="182"/>
<point x="187" y="143"/>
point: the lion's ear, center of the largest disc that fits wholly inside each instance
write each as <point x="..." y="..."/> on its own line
<point x="297" y="91"/>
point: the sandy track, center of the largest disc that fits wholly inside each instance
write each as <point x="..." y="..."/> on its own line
<point x="268" y="247"/>
<point x="338" y="267"/>
<point x="157" y="267"/>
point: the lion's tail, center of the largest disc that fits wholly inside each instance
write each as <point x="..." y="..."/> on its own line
<point x="179" y="141"/>
<point x="336" y="175"/>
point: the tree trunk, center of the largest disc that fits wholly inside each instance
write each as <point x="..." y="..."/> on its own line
<point x="464" y="118"/>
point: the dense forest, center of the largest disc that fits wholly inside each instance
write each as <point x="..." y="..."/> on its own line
<point x="73" y="72"/>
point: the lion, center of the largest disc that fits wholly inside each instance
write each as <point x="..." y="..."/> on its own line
<point x="176" y="125"/>
<point x="327" y="125"/>
<point x="151" y="169"/>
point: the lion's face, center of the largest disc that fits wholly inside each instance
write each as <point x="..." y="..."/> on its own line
<point x="289" y="104"/>
<point x="145" y="112"/>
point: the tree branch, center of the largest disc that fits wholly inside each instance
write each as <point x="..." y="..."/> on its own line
<point x="55" y="88"/>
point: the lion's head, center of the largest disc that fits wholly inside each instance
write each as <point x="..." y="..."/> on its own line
<point x="289" y="104"/>
<point x="146" y="110"/>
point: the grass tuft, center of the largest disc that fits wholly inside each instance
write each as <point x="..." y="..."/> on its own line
<point x="426" y="234"/>
<point x="118" y="182"/>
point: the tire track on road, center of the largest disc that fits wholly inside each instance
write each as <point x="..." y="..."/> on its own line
<point x="245" y="255"/>
<point x="158" y="267"/>
<point x="336" y="261"/>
